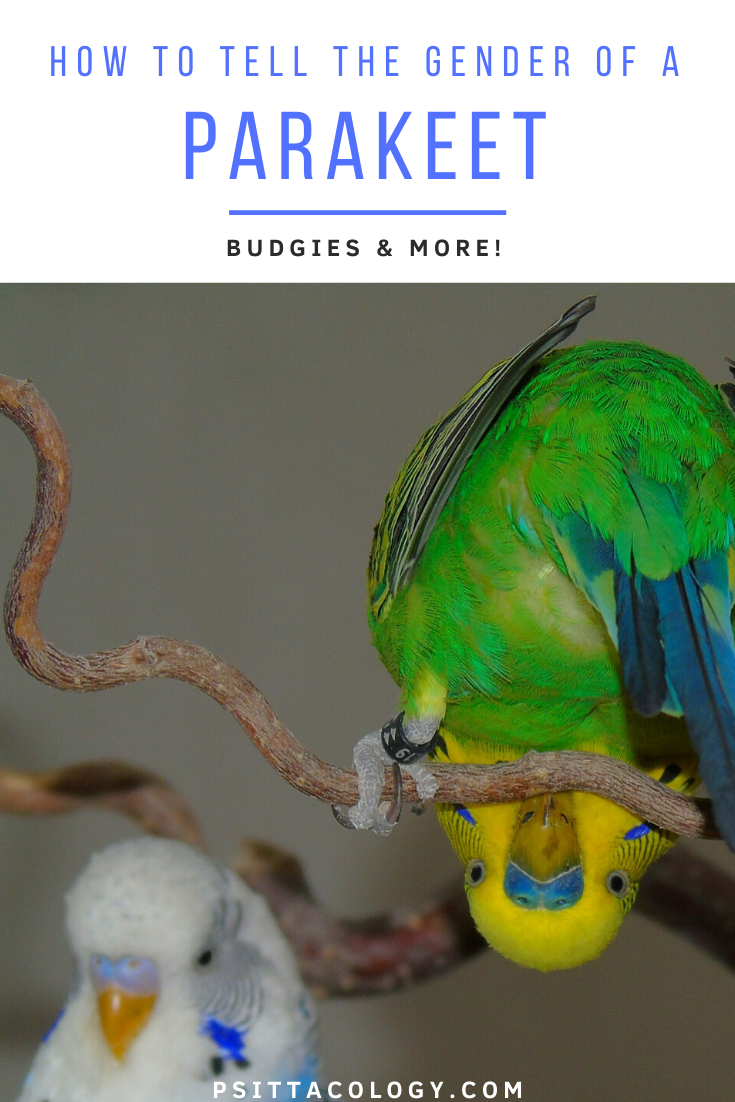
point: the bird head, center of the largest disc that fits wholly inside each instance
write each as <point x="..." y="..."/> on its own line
<point x="549" y="880"/>
<point x="169" y="943"/>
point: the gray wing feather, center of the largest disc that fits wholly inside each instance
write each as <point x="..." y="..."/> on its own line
<point x="433" y="470"/>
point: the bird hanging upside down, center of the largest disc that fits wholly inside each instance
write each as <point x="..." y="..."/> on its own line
<point x="184" y="981"/>
<point x="554" y="570"/>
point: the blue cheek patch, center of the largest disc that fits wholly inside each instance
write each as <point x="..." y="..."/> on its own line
<point x="464" y="814"/>
<point x="639" y="831"/>
<point x="231" y="1041"/>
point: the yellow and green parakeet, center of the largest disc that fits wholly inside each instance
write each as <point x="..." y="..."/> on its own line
<point x="555" y="569"/>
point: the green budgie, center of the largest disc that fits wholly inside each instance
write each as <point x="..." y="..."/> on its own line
<point x="555" y="569"/>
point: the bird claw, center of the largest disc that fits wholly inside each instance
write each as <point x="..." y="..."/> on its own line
<point x="369" y="813"/>
<point x="393" y="813"/>
<point x="342" y="816"/>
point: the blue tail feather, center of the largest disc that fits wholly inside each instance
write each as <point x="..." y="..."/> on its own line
<point x="639" y="644"/>
<point x="700" y="662"/>
<point x="675" y="642"/>
<point x="713" y="582"/>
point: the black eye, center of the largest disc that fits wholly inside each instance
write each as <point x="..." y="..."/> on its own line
<point x="476" y="873"/>
<point x="206" y="957"/>
<point x="618" y="883"/>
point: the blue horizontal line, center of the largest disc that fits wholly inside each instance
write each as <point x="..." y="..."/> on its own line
<point x="332" y="212"/>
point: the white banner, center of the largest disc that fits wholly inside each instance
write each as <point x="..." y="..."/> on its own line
<point x="326" y="142"/>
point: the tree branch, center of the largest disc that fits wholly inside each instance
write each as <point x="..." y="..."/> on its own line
<point x="369" y="956"/>
<point x="341" y="957"/>
<point x="161" y="656"/>
<point x="693" y="898"/>
<point x="143" y="797"/>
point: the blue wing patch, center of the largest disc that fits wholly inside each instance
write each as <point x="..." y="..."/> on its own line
<point x="639" y="644"/>
<point x="230" y="1041"/>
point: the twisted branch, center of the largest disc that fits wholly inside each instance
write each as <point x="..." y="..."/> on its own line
<point x="143" y="797"/>
<point x="161" y="656"/>
<point x="343" y="957"/>
<point x="336" y="956"/>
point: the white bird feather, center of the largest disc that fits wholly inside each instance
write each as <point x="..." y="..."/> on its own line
<point x="216" y="993"/>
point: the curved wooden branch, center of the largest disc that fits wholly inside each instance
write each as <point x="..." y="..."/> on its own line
<point x="370" y="956"/>
<point x="142" y="796"/>
<point x="693" y="898"/>
<point x="380" y="953"/>
<point x="160" y="656"/>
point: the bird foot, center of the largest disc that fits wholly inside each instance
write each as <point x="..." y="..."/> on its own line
<point x="397" y="743"/>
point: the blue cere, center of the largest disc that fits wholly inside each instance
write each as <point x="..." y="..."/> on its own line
<point x="639" y="831"/>
<point x="551" y="895"/>
<point x="134" y="975"/>
<point x="230" y="1040"/>
<point x="464" y="814"/>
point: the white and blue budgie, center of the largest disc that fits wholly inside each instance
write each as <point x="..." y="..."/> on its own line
<point x="184" y="980"/>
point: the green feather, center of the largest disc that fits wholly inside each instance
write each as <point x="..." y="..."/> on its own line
<point x="433" y="468"/>
<point x="483" y="596"/>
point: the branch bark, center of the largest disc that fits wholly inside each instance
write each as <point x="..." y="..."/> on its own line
<point x="161" y="656"/>
<point x="141" y="796"/>
<point x="693" y="898"/>
<point x="341" y="957"/>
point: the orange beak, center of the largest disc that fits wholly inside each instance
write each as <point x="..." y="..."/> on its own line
<point x="127" y="990"/>
<point x="122" y="1017"/>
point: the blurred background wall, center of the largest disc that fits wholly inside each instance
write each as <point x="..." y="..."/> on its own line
<point x="231" y="448"/>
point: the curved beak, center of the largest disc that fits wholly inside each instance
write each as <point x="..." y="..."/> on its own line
<point x="122" y="1016"/>
<point x="127" y="991"/>
<point x="545" y="862"/>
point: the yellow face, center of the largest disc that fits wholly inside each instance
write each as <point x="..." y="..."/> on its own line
<point x="550" y="880"/>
